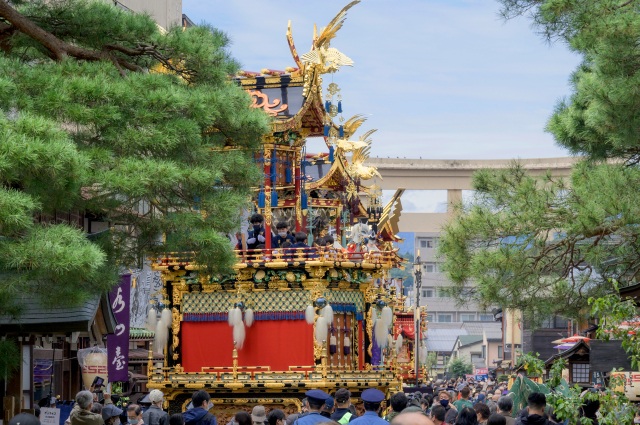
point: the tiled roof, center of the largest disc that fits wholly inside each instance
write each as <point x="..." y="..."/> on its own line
<point x="141" y="333"/>
<point x="492" y="329"/>
<point x="442" y="340"/>
<point x="469" y="340"/>
<point x="58" y="319"/>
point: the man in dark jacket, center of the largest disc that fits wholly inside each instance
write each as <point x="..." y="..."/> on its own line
<point x="342" y="414"/>
<point x="199" y="414"/>
<point x="536" y="402"/>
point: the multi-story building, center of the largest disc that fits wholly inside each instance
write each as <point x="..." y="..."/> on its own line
<point x="440" y="307"/>
<point x="167" y="13"/>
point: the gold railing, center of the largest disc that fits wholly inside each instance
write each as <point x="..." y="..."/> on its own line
<point x="286" y="257"/>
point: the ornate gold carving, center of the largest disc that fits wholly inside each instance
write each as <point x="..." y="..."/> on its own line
<point x="261" y="100"/>
<point x="245" y="274"/>
<point x="244" y="287"/>
<point x="317" y="347"/>
<point x="370" y="330"/>
<point x="316" y="287"/>
<point x="178" y="291"/>
<point x="317" y="272"/>
<point x="175" y="328"/>
<point x="326" y="59"/>
<point x="278" y="284"/>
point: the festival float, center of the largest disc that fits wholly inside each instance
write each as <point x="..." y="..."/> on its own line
<point x="286" y="320"/>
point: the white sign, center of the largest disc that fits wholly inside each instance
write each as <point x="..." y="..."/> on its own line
<point x="49" y="416"/>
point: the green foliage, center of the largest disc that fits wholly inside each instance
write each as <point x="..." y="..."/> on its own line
<point x="531" y="364"/>
<point x="167" y="150"/>
<point x="544" y="245"/>
<point x="567" y="401"/>
<point x="458" y="367"/>
<point x="9" y="358"/>
<point x="614" y="311"/>
<point x="525" y="241"/>
<point x="520" y="390"/>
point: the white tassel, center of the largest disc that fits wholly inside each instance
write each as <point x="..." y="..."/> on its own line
<point x="399" y="342"/>
<point x="387" y="315"/>
<point x="310" y="314"/>
<point x="333" y="340"/>
<point x="235" y="317"/>
<point x="248" y="317"/>
<point x="162" y="336"/>
<point x="327" y="313"/>
<point x="322" y="329"/>
<point x="347" y="341"/>
<point x="230" y="317"/>
<point x="238" y="335"/>
<point x="165" y="317"/>
<point x="381" y="331"/>
<point x="151" y="319"/>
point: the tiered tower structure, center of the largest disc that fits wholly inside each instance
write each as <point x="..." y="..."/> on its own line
<point x="285" y="320"/>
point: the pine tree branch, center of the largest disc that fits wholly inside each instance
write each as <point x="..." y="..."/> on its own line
<point x="24" y="25"/>
<point x="59" y="49"/>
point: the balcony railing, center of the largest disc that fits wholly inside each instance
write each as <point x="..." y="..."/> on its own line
<point x="293" y="257"/>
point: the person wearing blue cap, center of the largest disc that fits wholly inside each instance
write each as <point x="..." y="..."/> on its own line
<point x="372" y="397"/>
<point x="316" y="400"/>
<point x="327" y="408"/>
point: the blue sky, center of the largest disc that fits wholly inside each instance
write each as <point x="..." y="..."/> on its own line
<point x="439" y="79"/>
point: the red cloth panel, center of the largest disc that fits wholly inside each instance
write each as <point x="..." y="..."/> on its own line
<point x="409" y="331"/>
<point x="275" y="343"/>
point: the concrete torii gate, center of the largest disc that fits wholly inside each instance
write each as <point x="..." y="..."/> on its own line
<point x="452" y="175"/>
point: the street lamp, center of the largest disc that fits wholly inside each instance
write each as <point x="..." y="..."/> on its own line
<point x="417" y="271"/>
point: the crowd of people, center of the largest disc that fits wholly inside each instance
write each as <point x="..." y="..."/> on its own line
<point x="441" y="403"/>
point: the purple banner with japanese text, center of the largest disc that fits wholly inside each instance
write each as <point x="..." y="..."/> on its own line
<point x="118" y="342"/>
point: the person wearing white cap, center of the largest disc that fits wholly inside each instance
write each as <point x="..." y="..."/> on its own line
<point x="258" y="415"/>
<point x="154" y="414"/>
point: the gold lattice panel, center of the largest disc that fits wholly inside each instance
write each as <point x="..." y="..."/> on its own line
<point x="346" y="297"/>
<point x="221" y="302"/>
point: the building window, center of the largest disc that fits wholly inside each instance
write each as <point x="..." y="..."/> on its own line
<point x="431" y="243"/>
<point x="423" y="243"/>
<point x="431" y="267"/>
<point x="467" y="317"/>
<point x="442" y="293"/>
<point x="484" y="351"/>
<point x="486" y="317"/>
<point x="430" y="317"/>
<point x="500" y="353"/>
<point x="427" y="293"/>
<point x="445" y="318"/>
<point x="580" y="372"/>
<point x="555" y="322"/>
